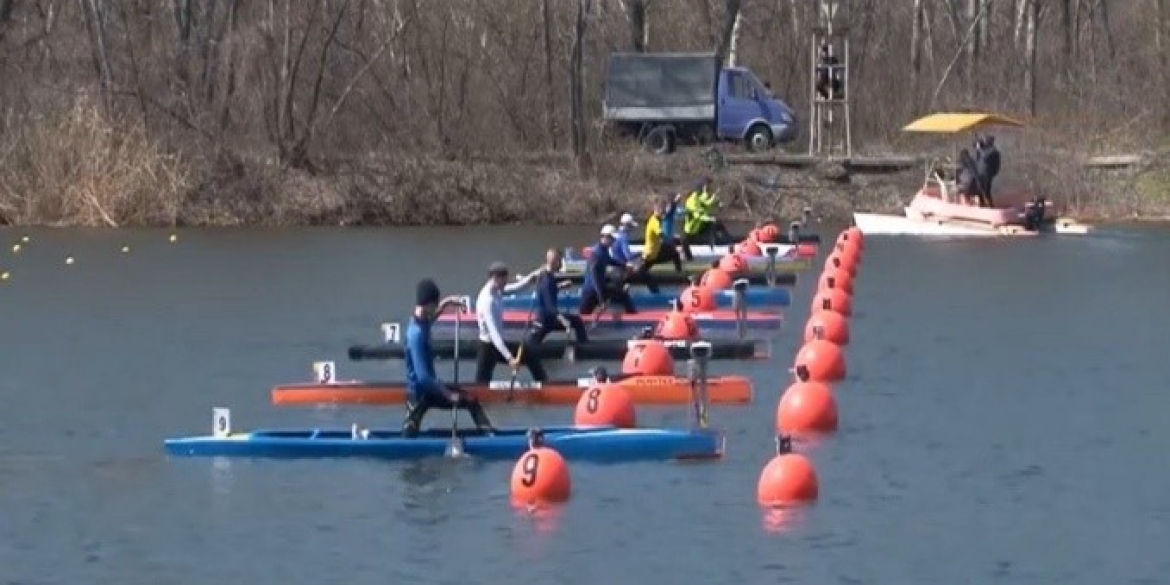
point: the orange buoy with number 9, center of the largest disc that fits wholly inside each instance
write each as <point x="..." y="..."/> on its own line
<point x="698" y="299"/>
<point x="605" y="404"/>
<point x="647" y="357"/>
<point x="675" y="326"/>
<point x="716" y="278"/>
<point x="733" y="264"/>
<point x="541" y="476"/>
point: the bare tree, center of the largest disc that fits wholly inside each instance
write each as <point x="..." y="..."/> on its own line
<point x="1031" y="28"/>
<point x="1160" y="33"/>
<point x="639" y="25"/>
<point x="576" y="82"/>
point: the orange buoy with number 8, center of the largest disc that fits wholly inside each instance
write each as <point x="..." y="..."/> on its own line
<point x="541" y="476"/>
<point x="647" y="357"/>
<point x="606" y="404"/>
<point x="699" y="299"/>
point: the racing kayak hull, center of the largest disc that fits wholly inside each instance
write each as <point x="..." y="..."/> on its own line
<point x="593" y="444"/>
<point x="684" y="278"/>
<point x="642" y="390"/>
<point x="555" y="349"/>
<point x="710" y="251"/>
<point x="707" y="321"/>
<point x="755" y="265"/>
<point x="771" y="297"/>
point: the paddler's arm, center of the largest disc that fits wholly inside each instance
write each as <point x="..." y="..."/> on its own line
<point x="483" y="311"/>
<point x="522" y="282"/>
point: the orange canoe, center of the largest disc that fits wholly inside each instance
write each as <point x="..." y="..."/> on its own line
<point x="642" y="389"/>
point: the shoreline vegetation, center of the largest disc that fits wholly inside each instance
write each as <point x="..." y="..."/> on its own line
<point x="401" y="112"/>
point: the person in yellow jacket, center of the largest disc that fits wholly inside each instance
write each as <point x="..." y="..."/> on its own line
<point x="699" y="222"/>
<point x="655" y="248"/>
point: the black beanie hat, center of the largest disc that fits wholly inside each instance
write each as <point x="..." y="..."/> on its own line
<point x="428" y="292"/>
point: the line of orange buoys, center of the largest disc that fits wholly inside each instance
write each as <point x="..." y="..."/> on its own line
<point x="23" y="242"/>
<point x="808" y="407"/>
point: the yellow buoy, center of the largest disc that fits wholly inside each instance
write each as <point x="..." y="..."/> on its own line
<point x="69" y="259"/>
<point x="125" y="249"/>
<point x="4" y="275"/>
<point x="174" y="237"/>
<point x="15" y="248"/>
<point x="24" y="239"/>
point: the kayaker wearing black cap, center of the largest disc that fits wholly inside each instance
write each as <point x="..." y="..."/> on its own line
<point x="489" y="312"/>
<point x="423" y="386"/>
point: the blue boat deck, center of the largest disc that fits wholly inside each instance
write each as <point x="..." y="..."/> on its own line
<point x="595" y="444"/>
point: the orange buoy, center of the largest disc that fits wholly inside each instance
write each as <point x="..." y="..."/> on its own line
<point x="733" y="264"/>
<point x="853" y="235"/>
<point x="541" y="476"/>
<point x="789" y="478"/>
<point x="754" y="235"/>
<point x="838" y="261"/>
<point x="819" y="360"/>
<point x="748" y="248"/>
<point x="829" y="326"/>
<point x="807" y="407"/>
<point x="716" y="278"/>
<point x="647" y="357"/>
<point x="836" y="278"/>
<point x="698" y="299"/>
<point x="832" y="299"/>
<point x="849" y="248"/>
<point x="605" y="404"/>
<point x="677" y="325"/>
<point x="769" y="234"/>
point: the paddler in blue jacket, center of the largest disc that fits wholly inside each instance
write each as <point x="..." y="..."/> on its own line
<point x="551" y="318"/>
<point x="424" y="389"/>
<point x="596" y="290"/>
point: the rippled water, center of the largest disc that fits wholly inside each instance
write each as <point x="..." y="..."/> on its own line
<point x="1004" y="420"/>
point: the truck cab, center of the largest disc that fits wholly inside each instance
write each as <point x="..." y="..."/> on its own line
<point x="748" y="112"/>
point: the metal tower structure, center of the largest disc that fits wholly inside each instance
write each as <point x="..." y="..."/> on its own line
<point x="829" y="125"/>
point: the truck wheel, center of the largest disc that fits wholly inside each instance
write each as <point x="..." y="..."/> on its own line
<point x="759" y="137"/>
<point x="659" y="141"/>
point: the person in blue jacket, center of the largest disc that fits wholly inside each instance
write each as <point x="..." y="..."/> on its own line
<point x="549" y="317"/>
<point x="596" y="290"/>
<point x="424" y="390"/>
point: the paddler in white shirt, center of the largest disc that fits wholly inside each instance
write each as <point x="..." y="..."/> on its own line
<point x="489" y="312"/>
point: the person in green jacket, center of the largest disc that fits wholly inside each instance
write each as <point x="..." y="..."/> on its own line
<point x="699" y="223"/>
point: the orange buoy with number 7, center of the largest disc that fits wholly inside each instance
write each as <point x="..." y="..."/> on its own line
<point x="605" y="404"/>
<point x="647" y="357"/>
<point x="541" y="475"/>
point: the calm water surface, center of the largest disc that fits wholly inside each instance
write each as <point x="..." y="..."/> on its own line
<point x="1004" y="421"/>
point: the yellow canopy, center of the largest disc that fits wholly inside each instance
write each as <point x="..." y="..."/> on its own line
<point x="953" y="123"/>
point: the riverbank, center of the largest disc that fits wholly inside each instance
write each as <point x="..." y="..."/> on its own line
<point x="96" y="181"/>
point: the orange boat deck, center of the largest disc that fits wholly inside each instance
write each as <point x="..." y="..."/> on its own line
<point x="642" y="389"/>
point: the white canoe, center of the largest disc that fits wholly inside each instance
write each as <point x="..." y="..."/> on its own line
<point x="718" y="251"/>
<point x="900" y="225"/>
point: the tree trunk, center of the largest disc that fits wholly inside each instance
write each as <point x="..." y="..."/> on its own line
<point x="916" y="46"/>
<point x="1107" y="30"/>
<point x="1066" y="25"/>
<point x="974" y="18"/>
<point x="1020" y="20"/>
<point x="638" y="25"/>
<point x="1160" y="43"/>
<point x="94" y="14"/>
<point x="550" y="99"/>
<point x="1032" y="17"/>
<point x="575" y="81"/>
<point x="730" y="15"/>
<point x="733" y="46"/>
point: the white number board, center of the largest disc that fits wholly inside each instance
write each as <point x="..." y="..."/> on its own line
<point x="325" y="372"/>
<point x="221" y="422"/>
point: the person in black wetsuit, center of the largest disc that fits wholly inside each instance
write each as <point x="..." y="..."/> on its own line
<point x="549" y="317"/>
<point x="597" y="290"/>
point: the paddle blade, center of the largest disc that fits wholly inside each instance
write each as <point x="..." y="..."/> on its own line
<point x="456" y="448"/>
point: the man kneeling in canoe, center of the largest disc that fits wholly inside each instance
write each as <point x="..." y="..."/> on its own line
<point x="424" y="388"/>
<point x="550" y="318"/>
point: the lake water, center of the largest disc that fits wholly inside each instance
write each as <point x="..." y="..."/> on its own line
<point x="1004" y="421"/>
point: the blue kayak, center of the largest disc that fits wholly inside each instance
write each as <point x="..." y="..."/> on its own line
<point x="755" y="297"/>
<point x="594" y="444"/>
